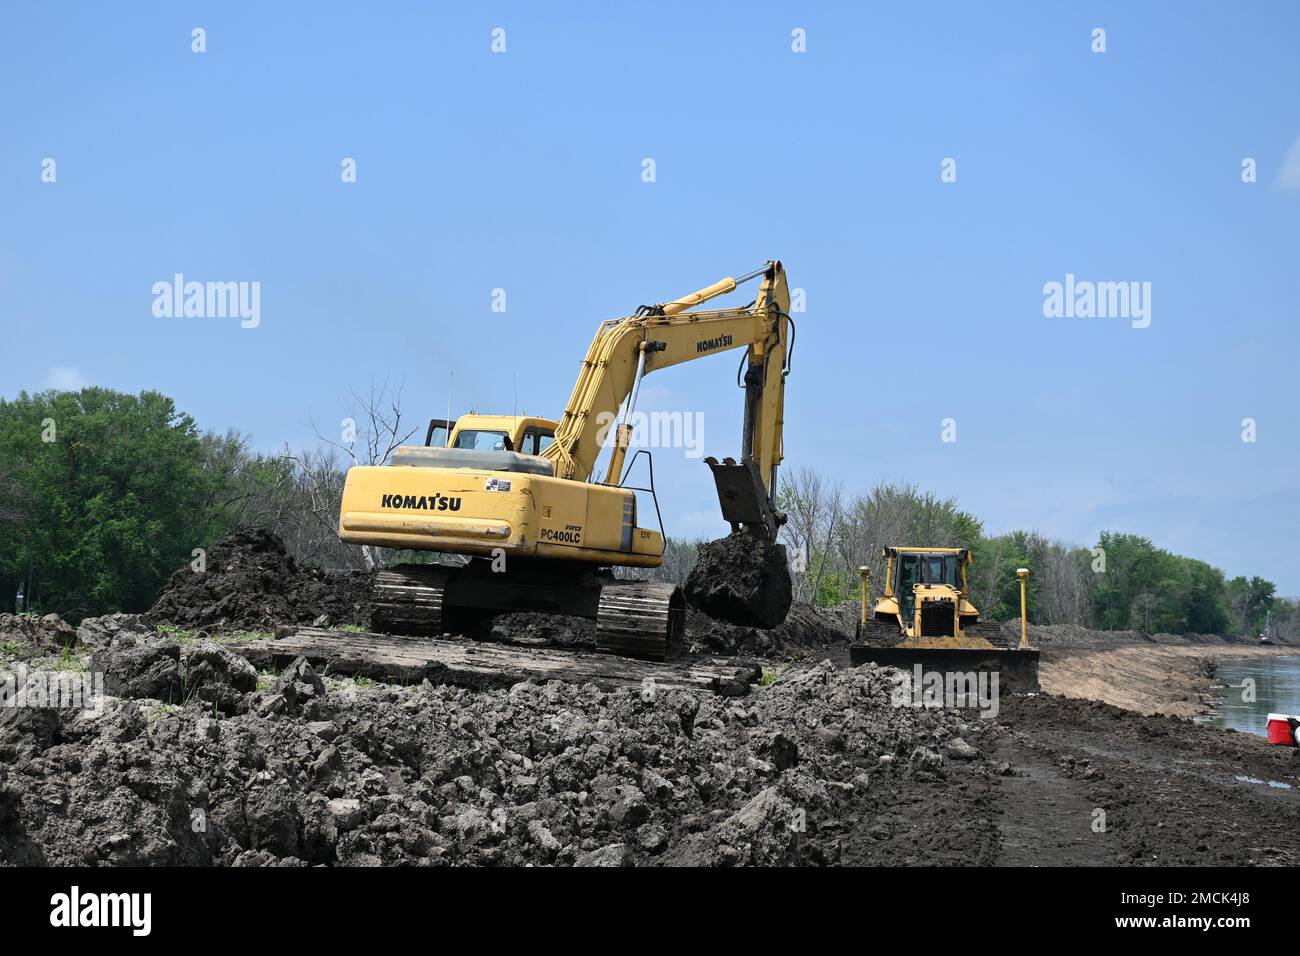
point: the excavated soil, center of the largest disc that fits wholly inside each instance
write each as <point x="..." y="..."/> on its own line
<point x="742" y="579"/>
<point x="249" y="581"/>
<point x="547" y="774"/>
<point x="824" y="766"/>
<point x="1173" y="793"/>
<point x="808" y="632"/>
<point x="195" y="758"/>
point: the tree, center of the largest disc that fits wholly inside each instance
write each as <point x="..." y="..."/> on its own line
<point x="371" y="431"/>
<point x="107" y="494"/>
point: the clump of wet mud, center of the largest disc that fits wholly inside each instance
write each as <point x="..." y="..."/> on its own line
<point x="742" y="579"/>
<point x="806" y="631"/>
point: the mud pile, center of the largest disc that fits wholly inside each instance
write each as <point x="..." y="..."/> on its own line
<point x="741" y="579"/>
<point x="806" y="631"/>
<point x="250" y="581"/>
<point x="817" y="769"/>
<point x="26" y="635"/>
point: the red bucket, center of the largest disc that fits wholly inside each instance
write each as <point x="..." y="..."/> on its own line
<point x="1282" y="729"/>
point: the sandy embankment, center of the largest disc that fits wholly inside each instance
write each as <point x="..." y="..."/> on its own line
<point x="1147" y="678"/>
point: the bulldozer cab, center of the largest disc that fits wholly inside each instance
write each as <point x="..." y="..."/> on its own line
<point x="931" y="567"/>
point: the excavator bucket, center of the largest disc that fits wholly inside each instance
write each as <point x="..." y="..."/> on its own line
<point x="742" y="495"/>
<point x="1017" y="669"/>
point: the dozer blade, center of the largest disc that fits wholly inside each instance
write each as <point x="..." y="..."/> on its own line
<point x="742" y="495"/>
<point x="1017" y="669"/>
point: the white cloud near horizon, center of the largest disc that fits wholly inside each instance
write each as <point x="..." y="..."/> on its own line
<point x="66" y="379"/>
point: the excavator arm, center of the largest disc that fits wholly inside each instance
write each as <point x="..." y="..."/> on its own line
<point x="625" y="350"/>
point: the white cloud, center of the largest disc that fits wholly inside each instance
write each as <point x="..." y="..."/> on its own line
<point x="66" y="379"/>
<point x="1288" y="176"/>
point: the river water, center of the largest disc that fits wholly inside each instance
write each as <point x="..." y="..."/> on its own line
<point x="1276" y="686"/>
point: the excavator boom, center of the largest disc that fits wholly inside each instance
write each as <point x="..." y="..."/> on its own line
<point x="660" y="336"/>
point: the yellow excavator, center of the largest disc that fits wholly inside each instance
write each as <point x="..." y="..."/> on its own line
<point x="925" y="616"/>
<point x="516" y="495"/>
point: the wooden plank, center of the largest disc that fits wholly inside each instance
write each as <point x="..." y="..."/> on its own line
<point x="477" y="664"/>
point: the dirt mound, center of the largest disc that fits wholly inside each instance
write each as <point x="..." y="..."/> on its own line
<point x="25" y="635"/>
<point x="550" y="773"/>
<point x="250" y="581"/>
<point x="806" y="630"/>
<point x="742" y="579"/>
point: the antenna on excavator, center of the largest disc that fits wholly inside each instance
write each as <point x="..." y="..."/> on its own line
<point x="451" y="377"/>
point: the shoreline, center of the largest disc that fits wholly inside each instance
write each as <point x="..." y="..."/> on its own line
<point x="1168" y="680"/>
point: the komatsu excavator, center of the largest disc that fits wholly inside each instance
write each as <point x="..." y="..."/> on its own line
<point x="517" y="496"/>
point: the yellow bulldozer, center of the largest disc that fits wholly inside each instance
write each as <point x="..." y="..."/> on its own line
<point x="925" y="616"/>
<point x="518" y="497"/>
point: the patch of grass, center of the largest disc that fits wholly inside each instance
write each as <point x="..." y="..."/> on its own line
<point x="178" y="634"/>
<point x="770" y="674"/>
<point x="265" y="679"/>
<point x="11" y="648"/>
<point x="68" y="661"/>
<point x="159" y="711"/>
<point x="362" y="681"/>
<point x="352" y="628"/>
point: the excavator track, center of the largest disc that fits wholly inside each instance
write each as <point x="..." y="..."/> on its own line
<point x="641" y="619"/>
<point x="408" y="599"/>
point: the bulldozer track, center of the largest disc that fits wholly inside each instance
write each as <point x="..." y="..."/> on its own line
<point x="641" y="619"/>
<point x="408" y="599"/>
<point x="879" y="633"/>
<point x="994" y="634"/>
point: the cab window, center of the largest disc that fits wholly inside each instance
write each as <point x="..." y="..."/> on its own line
<point x="483" y="440"/>
<point x="536" y="441"/>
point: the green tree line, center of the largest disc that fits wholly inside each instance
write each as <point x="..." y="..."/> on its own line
<point x="104" y="494"/>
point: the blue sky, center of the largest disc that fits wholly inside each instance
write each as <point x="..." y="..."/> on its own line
<point x="522" y="171"/>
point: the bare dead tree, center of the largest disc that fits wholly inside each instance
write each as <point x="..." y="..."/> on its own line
<point x="803" y="499"/>
<point x="372" y="428"/>
<point x="369" y="433"/>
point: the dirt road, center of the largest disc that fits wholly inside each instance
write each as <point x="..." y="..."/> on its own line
<point x="1172" y="792"/>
